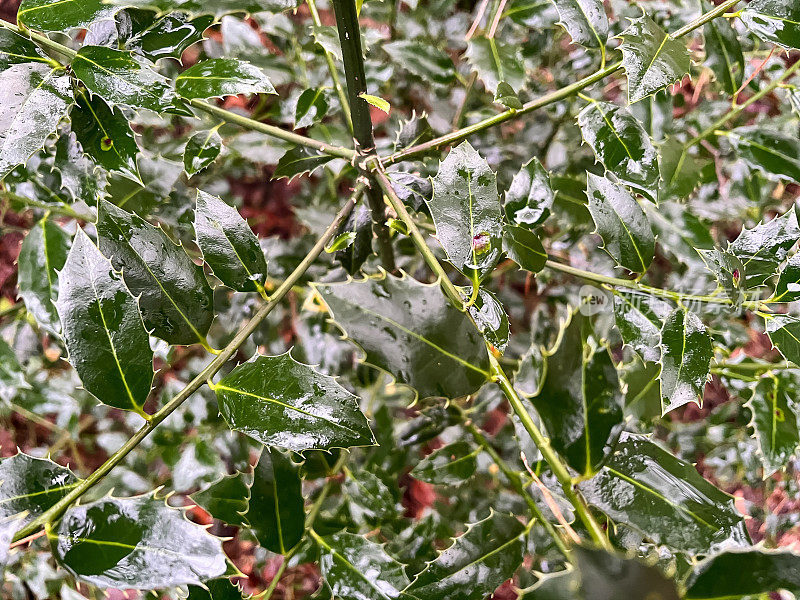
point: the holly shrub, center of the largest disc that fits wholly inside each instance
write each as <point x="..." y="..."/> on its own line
<point x="400" y="299"/>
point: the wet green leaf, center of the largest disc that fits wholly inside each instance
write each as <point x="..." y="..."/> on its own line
<point x="105" y="135"/>
<point x="411" y="331"/>
<point x="80" y="177"/>
<point x="355" y="568"/>
<point x="281" y="402"/>
<point x="174" y="296"/>
<point x="413" y="190"/>
<point x="773" y="408"/>
<point x="227" y="499"/>
<point x="162" y="37"/>
<point x="621" y="222"/>
<point x="34" y="97"/>
<point x="219" y="77"/>
<point x="228" y="244"/>
<point x="358" y="230"/>
<point x="585" y="21"/>
<point x="466" y="210"/>
<point x="276" y="513"/>
<point x="476" y="563"/>
<point x="776" y="21"/>
<point x="651" y="58"/>
<point x="639" y="318"/>
<point x="506" y="96"/>
<point x="369" y="497"/>
<point x="728" y="270"/>
<point x="772" y="152"/>
<point x="762" y="248"/>
<point x="42" y="254"/>
<point x="580" y="401"/>
<point x="496" y="62"/>
<point x="12" y="376"/>
<point x="135" y="543"/>
<point x="63" y="15"/>
<point x="123" y="78"/>
<point x="681" y="172"/>
<point x="747" y="572"/>
<point x="451" y="465"/>
<point x="216" y="589"/>
<point x="524" y="248"/>
<point x="645" y="487"/>
<point x="685" y="356"/>
<point x="298" y="161"/>
<point x="107" y="342"/>
<point x="724" y="53"/>
<point x="427" y="62"/>
<point x="529" y="198"/>
<point x="201" y="151"/>
<point x="312" y="106"/>
<point x="788" y="287"/>
<point x="16" y="49"/>
<point x="622" y="145"/>
<point x="784" y="333"/>
<point x="491" y="318"/>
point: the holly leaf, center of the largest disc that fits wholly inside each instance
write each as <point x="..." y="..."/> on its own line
<point x="728" y="270"/>
<point x="681" y="173"/>
<point x="80" y="177"/>
<point x="276" y="514"/>
<point x="580" y="401"/>
<point x="312" y="106"/>
<point x="359" y="228"/>
<point x="466" y="210"/>
<point x="724" y="53"/>
<point x="227" y="499"/>
<point x="451" y="465"/>
<point x="355" y="568"/>
<point x="774" y="419"/>
<point x="165" y="37"/>
<point x="640" y="318"/>
<point x="622" y="223"/>
<point x="42" y="254"/>
<point x="747" y="572"/>
<point x="281" y="402"/>
<point x="491" y="318"/>
<point x="771" y="152"/>
<point x="685" y="356"/>
<point x="645" y="487"/>
<point x="16" y="49"/>
<point x="298" y="161"/>
<point x="123" y="78"/>
<point x="12" y="376"/>
<point x="228" y="244"/>
<point x="529" y="198"/>
<point x="369" y="497"/>
<point x="776" y="21"/>
<point x="216" y="589"/>
<point x="201" y="151"/>
<point x="784" y="333"/>
<point x="652" y="58"/>
<point x="135" y="543"/>
<point x="415" y="191"/>
<point x="411" y="331"/>
<point x="506" y="96"/>
<point x="34" y="97"/>
<point x="476" y="563"/>
<point x="423" y="60"/>
<point x="496" y="63"/>
<point x="621" y="144"/>
<point x="174" y="296"/>
<point x="106" y="339"/>
<point x="63" y="15"/>
<point x="585" y="21"/>
<point x="788" y="287"/>
<point x="524" y="248"/>
<point x="220" y="77"/>
<point x="105" y="135"/>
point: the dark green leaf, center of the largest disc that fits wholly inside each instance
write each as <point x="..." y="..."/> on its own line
<point x="228" y="244"/>
<point x="476" y="563"/>
<point x="201" y="150"/>
<point x="580" y="401"/>
<point x="491" y="318"/>
<point x="16" y="49"/>
<point x="621" y="222"/>
<point x="328" y="39"/>
<point x="174" y="296"/>
<point x="216" y="589"/>
<point x="772" y="152"/>
<point x="276" y="513"/>
<point x="105" y="135"/>
<point x="63" y="15"/>
<point x="652" y="59"/>
<point x="529" y="198"/>
<point x="496" y="62"/>
<point x="776" y="21"/>
<point x="747" y="572"/>
<point x="164" y="37"/>
<point x="227" y="499"/>
<point x="784" y="333"/>
<point x="12" y="376"/>
<point x="585" y="21"/>
<point x="788" y="287"/>
<point x="466" y="210"/>
<point x="452" y="465"/>
<point x="281" y="402"/>
<point x="220" y="77"/>
<point x="135" y="543"/>
<point x="103" y="330"/>
<point x="312" y="106"/>
<point x="639" y="318"/>
<point x="359" y="229"/>
<point x="415" y="191"/>
<point x="645" y="487"/>
<point x="80" y="177"/>
<point x="43" y="253"/>
<point x="123" y="78"/>
<point x="506" y="96"/>
<point x="773" y="408"/>
<point x="681" y="173"/>
<point x="622" y="145"/>
<point x="34" y="97"/>
<point x="685" y="356"/>
<point x="298" y="161"/>
<point x="370" y="499"/>
<point x="427" y="62"/>
<point x="728" y="270"/>
<point x="357" y="569"/>
<point x="724" y="53"/>
<point x="762" y="248"/>
<point x="410" y="330"/>
<point x="524" y="248"/>
<point x="412" y="131"/>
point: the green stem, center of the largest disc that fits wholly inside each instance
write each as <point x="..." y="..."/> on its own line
<point x="456" y="136"/>
<point x="337" y="82"/>
<point x="63" y="209"/>
<point x="215" y="365"/>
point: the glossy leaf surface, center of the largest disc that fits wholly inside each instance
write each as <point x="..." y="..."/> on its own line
<point x="227" y="499"/>
<point x="644" y="486"/>
<point x="640" y="318"/>
<point x="174" y="296"/>
<point x="312" y="106"/>
<point x="685" y="356"/>
<point x="219" y="77"/>
<point x="724" y="54"/>
<point x="451" y="465"/>
<point x="298" y="161"/>
<point x="169" y="36"/>
<point x="776" y="21"/>
<point x="773" y="407"/>
<point x="202" y="149"/>
<point x="16" y="49"/>
<point x="491" y="318"/>
<point x="428" y="63"/>
<point x="107" y="342"/>
<point x="62" y="15"/>
<point x="788" y="287"/>
<point x="784" y="333"/>
<point x="410" y="330"/>
<point x="738" y="573"/>
<point x="772" y="152"/>
<point x="281" y="402"/>
<point x="762" y="248"/>
<point x="496" y="61"/>
<point x="529" y="198"/>
<point x="524" y="248"/>
<point x="585" y="21"/>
